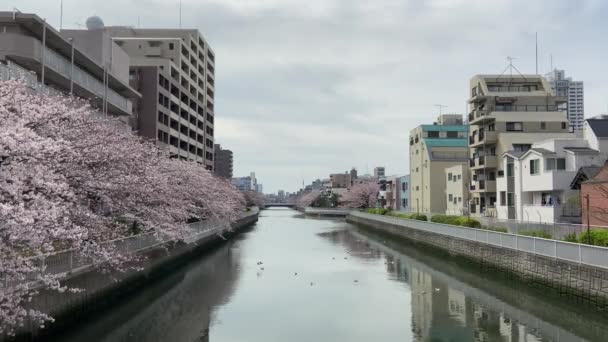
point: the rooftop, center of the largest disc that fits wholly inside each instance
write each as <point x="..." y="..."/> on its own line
<point x="445" y="128"/>
<point x="599" y="127"/>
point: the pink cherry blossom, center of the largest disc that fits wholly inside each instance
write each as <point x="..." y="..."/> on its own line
<point x="71" y="179"/>
<point x="360" y="195"/>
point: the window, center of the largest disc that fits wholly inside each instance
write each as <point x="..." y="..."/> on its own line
<point x="452" y="134"/>
<point x="510" y="199"/>
<point x="406" y="202"/>
<point x="543" y="125"/>
<point x="503" y="198"/>
<point x="416" y="169"/>
<point x="450" y="198"/>
<point x="555" y="164"/>
<point x="522" y="147"/>
<point x="433" y="134"/>
<point x="509" y="169"/>
<point x="515" y="127"/>
<point x="449" y="176"/>
<point x="417" y="188"/>
<point x="564" y="124"/>
<point x="534" y="166"/>
<point x="171" y="46"/>
<point x="403" y="203"/>
<point x="459" y="177"/>
<point x="459" y="199"/>
<point x="492" y="176"/>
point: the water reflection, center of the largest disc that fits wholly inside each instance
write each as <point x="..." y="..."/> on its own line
<point x="446" y="309"/>
<point x="326" y="280"/>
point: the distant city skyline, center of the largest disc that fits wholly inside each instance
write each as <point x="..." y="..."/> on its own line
<point x="341" y="84"/>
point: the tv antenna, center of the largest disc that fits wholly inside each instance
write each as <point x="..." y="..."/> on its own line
<point x="510" y="67"/>
<point x="440" y="106"/>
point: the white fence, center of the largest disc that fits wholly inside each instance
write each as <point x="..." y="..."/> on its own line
<point x="574" y="252"/>
<point x="72" y="261"/>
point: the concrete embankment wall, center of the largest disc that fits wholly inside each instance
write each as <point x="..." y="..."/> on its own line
<point x="578" y="280"/>
<point x="102" y="290"/>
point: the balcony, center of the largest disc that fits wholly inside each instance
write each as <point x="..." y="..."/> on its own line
<point x="483" y="186"/>
<point x="480" y="116"/>
<point x="481" y="162"/>
<point x="483" y="138"/>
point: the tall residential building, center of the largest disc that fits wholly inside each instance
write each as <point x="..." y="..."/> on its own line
<point x="353" y="176"/>
<point x="507" y="113"/>
<point x="379" y="172"/>
<point x="222" y="164"/>
<point x="52" y="63"/>
<point x="173" y="69"/>
<point x="574" y="92"/>
<point x="433" y="148"/>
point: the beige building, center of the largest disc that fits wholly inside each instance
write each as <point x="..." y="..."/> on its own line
<point x="340" y="180"/>
<point x="507" y="113"/>
<point x="174" y="70"/>
<point x="457" y="189"/>
<point x="433" y="148"/>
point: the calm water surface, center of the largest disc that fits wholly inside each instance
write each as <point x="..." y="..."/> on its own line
<point x="327" y="280"/>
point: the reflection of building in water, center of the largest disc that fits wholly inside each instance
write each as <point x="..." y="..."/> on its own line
<point x="178" y="307"/>
<point x="457" y="306"/>
<point x="422" y="306"/>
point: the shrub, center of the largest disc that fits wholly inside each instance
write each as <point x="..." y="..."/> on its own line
<point x="419" y="217"/>
<point x="536" y="233"/>
<point x="456" y="220"/>
<point x="377" y="211"/>
<point x="468" y="222"/>
<point x="599" y="237"/>
<point x="570" y="238"/>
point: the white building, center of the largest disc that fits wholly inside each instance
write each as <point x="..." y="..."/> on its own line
<point x="456" y="189"/>
<point x="537" y="185"/>
<point x="573" y="90"/>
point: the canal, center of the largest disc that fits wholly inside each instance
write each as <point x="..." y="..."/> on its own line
<point x="291" y="278"/>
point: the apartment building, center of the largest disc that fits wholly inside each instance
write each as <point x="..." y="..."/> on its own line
<point x="457" y="189"/>
<point x="174" y="70"/>
<point x="433" y="148"/>
<point x="50" y="62"/>
<point x="340" y="180"/>
<point x="574" y="92"/>
<point x="222" y="163"/>
<point x="379" y="172"/>
<point x="404" y="193"/>
<point x="507" y="113"/>
<point x="248" y="183"/>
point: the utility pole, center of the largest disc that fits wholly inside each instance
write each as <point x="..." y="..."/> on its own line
<point x="588" y="230"/>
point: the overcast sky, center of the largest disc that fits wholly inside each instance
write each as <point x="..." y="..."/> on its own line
<point x="308" y="88"/>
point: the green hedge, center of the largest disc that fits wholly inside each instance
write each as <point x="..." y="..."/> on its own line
<point x="377" y="211"/>
<point x="536" y="233"/>
<point x="599" y="237"/>
<point x="456" y="220"/>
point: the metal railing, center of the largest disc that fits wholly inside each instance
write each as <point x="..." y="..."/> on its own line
<point x="71" y="261"/>
<point x="574" y="252"/>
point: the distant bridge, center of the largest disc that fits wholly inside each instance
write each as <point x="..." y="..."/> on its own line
<point x="281" y="205"/>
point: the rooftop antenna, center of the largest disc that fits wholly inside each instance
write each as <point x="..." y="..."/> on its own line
<point x="440" y="106"/>
<point x="511" y="67"/>
<point x="536" y="54"/>
<point x="60" y="15"/>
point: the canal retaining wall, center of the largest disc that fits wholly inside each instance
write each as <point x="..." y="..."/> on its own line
<point x="102" y="289"/>
<point x="571" y="269"/>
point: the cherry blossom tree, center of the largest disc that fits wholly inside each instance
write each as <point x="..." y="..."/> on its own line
<point x="70" y="179"/>
<point x="361" y="195"/>
<point x="254" y="199"/>
<point x="307" y="199"/>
